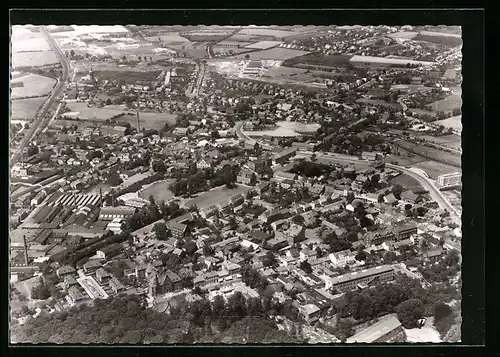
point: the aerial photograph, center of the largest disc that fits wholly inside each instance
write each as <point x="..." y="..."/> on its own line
<point x="235" y="184"/>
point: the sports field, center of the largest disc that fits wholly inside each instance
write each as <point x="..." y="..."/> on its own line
<point x="216" y="195"/>
<point x="159" y="190"/>
<point x="25" y="109"/>
<point x="33" y="85"/>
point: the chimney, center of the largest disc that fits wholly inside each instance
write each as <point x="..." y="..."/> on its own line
<point x="25" y="250"/>
<point x="138" y="123"/>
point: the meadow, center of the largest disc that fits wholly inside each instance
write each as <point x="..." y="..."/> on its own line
<point x="25" y="109"/>
<point x="33" y="86"/>
<point x="33" y="59"/>
<point x="159" y="190"/>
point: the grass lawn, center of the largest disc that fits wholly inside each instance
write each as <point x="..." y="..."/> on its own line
<point x="159" y="190"/>
<point x="25" y="109"/>
<point x="216" y="195"/>
<point x="150" y="120"/>
<point x="33" y="85"/>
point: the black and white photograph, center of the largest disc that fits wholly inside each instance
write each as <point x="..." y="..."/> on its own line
<point x="232" y="185"/>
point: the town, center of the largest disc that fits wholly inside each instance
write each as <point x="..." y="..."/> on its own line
<point x="246" y="184"/>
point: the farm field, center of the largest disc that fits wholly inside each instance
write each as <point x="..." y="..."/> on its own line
<point x="159" y="190"/>
<point x="25" y="40"/>
<point x="169" y="39"/>
<point x="33" y="86"/>
<point x="279" y="54"/>
<point x="453" y="101"/>
<point x="404" y="160"/>
<point x="25" y="109"/>
<point x="406" y="181"/>
<point x="454" y="123"/>
<point x="33" y="59"/>
<point x="236" y="50"/>
<point x="431" y="153"/>
<point x="453" y="141"/>
<point x="259" y="31"/>
<point x="434" y="169"/>
<point x="215" y="196"/>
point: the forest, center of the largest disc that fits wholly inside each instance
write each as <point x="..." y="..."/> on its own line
<point x="125" y="320"/>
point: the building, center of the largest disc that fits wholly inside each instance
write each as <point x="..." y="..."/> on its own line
<point x="253" y="68"/>
<point x="115" y="225"/>
<point x="405" y="230"/>
<point x="245" y="177"/>
<point x="384" y="62"/>
<point x="283" y="156"/>
<point x="178" y="229"/>
<point x="342" y="258"/>
<point x="282" y="176"/>
<point x="449" y="180"/>
<point x="387" y="328"/>
<point x="102" y="275"/>
<point x="111" y="213"/>
<point x="364" y="277"/>
<point x="74" y="295"/>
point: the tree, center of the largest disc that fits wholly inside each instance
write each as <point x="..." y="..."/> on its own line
<point x="114" y="179"/>
<point x="452" y="257"/>
<point x="306" y="266"/>
<point x="298" y="219"/>
<point x="409" y="312"/>
<point x="360" y="256"/>
<point x="72" y="53"/>
<point x="161" y="231"/>
<point x="247" y="57"/>
<point x="140" y="58"/>
<point x="33" y="150"/>
<point x="441" y="311"/>
<point x="396" y="190"/>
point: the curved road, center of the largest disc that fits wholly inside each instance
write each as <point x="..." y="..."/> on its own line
<point x="422" y="179"/>
<point x="56" y="92"/>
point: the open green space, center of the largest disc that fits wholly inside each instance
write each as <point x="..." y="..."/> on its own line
<point x="25" y="109"/>
<point x="159" y="191"/>
<point x="216" y="195"/>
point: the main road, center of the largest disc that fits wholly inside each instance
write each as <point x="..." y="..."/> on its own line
<point x="435" y="193"/>
<point x="56" y="92"/>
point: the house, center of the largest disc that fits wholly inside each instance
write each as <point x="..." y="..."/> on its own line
<point x="246" y="177"/>
<point x="281" y="176"/>
<point x="91" y="266"/>
<point x="178" y="229"/>
<point x="390" y="199"/>
<point x="258" y="236"/>
<point x="270" y="216"/>
<point x="203" y="164"/>
<point x="102" y="275"/>
<point x="207" y="212"/>
<point x="410" y="196"/>
<point x="283" y="156"/>
<point x="370" y="156"/>
<point x="262" y="187"/>
<point x="65" y="270"/>
<point x="405" y="230"/>
<point x="74" y="295"/>
<point x="237" y="200"/>
<point x="295" y="233"/>
<point x="276" y="244"/>
<point x="69" y="281"/>
<point x="180" y="131"/>
<point x="116" y="285"/>
<point x="342" y="258"/>
<point x="387" y="328"/>
<point x="309" y="312"/>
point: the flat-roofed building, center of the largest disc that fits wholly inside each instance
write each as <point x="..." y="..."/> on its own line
<point x="371" y="276"/>
<point x="449" y="180"/>
<point x="387" y="328"/>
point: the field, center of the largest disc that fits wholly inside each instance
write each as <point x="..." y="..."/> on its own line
<point x="431" y="153"/>
<point x="159" y="190"/>
<point x="403" y="34"/>
<point x="33" y="86"/>
<point x="321" y="60"/>
<point x="216" y="195"/>
<point x="25" y="40"/>
<point x="454" y="123"/>
<point x="150" y="120"/>
<point x="407" y="182"/>
<point x="81" y="111"/>
<point x="236" y="50"/>
<point x="451" y="102"/>
<point x="33" y="59"/>
<point x="379" y="102"/>
<point x="25" y="286"/>
<point x="285" y="128"/>
<point x="279" y="54"/>
<point x="434" y="169"/>
<point x="256" y="31"/>
<point x="169" y="39"/>
<point x="404" y="160"/>
<point x="263" y="45"/>
<point x="25" y="109"/>
<point x="127" y="76"/>
<point x="453" y="141"/>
